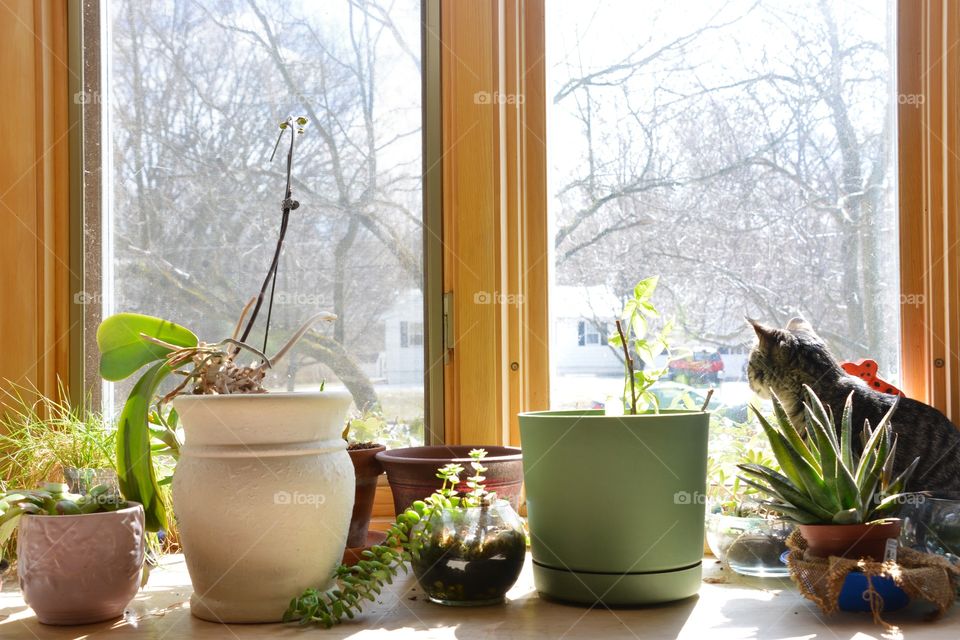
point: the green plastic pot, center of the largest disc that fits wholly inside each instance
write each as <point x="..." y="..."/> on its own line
<point x="615" y="504"/>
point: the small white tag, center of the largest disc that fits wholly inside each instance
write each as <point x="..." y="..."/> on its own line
<point x="890" y="551"/>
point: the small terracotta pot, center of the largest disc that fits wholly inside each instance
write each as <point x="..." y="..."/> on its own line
<point x="83" y="568"/>
<point x="412" y="471"/>
<point x="367" y="469"/>
<point x="849" y="540"/>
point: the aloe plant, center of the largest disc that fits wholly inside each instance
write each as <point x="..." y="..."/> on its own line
<point x="824" y="480"/>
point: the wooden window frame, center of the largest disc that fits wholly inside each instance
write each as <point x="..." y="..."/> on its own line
<point x="496" y="244"/>
<point x="928" y="72"/>
<point x="493" y="221"/>
<point x="496" y="256"/>
<point x="36" y="324"/>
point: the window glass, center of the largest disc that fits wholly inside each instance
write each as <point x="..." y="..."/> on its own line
<point x="742" y="151"/>
<point x="196" y="92"/>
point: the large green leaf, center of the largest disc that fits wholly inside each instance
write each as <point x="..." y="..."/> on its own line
<point x="820" y="413"/>
<point x="846" y="435"/>
<point x="122" y="349"/>
<point x="828" y="454"/>
<point x="791" y="512"/>
<point x="794" y="465"/>
<point x="135" y="472"/>
<point x="645" y="288"/>
<point x="784" y="490"/>
<point x="793" y="436"/>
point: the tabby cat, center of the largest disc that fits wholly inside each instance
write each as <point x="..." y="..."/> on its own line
<point x="786" y="359"/>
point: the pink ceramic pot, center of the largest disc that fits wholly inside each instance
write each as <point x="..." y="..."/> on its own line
<point x="80" y="569"/>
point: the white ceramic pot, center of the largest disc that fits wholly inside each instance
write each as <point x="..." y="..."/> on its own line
<point x="262" y="494"/>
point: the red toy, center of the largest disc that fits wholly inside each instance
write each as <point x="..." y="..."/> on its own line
<point x="866" y="370"/>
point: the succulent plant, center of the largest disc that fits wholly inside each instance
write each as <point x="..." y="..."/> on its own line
<point x="53" y="499"/>
<point x="824" y="480"/>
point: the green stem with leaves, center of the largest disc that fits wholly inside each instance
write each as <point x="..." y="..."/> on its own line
<point x="629" y="362"/>
<point x="365" y="580"/>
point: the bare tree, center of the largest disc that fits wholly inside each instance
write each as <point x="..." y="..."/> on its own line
<point x="755" y="185"/>
<point x="196" y="87"/>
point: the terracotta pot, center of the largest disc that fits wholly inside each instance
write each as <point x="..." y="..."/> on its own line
<point x="412" y="471"/>
<point x="262" y="493"/>
<point x="366" y="469"/>
<point x="849" y="540"/>
<point x="83" y="568"/>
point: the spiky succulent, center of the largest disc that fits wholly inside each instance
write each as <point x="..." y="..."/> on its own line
<point x="53" y="499"/>
<point x="824" y="481"/>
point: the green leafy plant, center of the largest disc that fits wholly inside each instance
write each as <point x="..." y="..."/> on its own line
<point x="362" y="431"/>
<point x="53" y="499"/>
<point x="635" y="335"/>
<point x="366" y="579"/>
<point x="727" y="493"/>
<point x="824" y="481"/>
<point x="130" y="342"/>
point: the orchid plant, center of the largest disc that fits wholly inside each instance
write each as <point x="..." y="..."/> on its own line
<point x="128" y="342"/>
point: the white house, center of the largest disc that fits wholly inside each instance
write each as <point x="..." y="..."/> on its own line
<point x="583" y="319"/>
<point x="403" y="339"/>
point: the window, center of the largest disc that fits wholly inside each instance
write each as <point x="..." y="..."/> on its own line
<point x="195" y="93"/>
<point x="745" y="153"/>
<point x="411" y="334"/>
<point x="591" y="334"/>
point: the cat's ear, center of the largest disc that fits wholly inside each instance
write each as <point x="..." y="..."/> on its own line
<point x="768" y="336"/>
<point x="799" y="324"/>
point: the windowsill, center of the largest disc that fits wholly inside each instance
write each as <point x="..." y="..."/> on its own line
<point x="727" y="607"/>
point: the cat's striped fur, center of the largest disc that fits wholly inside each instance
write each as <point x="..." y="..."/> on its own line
<point x="786" y="359"/>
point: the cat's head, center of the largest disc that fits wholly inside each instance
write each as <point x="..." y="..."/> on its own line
<point x="786" y="359"/>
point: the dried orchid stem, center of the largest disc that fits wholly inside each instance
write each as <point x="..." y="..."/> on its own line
<point x="253" y="350"/>
<point x="323" y="315"/>
<point x="243" y="314"/>
<point x="288" y="205"/>
<point x="160" y="342"/>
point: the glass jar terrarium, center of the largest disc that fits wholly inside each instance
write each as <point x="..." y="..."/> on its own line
<point x="751" y="545"/>
<point x="931" y="523"/>
<point x="469" y="556"/>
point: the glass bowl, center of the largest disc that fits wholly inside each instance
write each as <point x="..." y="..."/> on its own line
<point x="751" y="546"/>
<point x="932" y="524"/>
<point x="469" y="556"/>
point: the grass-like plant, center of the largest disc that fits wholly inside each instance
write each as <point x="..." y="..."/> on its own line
<point x="824" y="480"/>
<point x="40" y="437"/>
